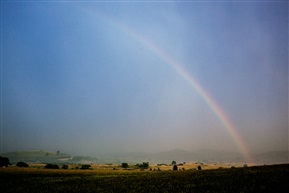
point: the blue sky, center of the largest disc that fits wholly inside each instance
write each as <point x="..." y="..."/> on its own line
<point x="75" y="79"/>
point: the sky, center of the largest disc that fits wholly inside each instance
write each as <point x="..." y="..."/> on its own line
<point x="90" y="78"/>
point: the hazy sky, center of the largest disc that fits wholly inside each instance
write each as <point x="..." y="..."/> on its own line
<point x="99" y="77"/>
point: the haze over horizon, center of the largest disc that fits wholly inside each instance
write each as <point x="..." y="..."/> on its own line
<point x="89" y="78"/>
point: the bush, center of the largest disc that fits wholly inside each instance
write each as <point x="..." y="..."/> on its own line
<point x="22" y="164"/>
<point x="199" y="167"/>
<point x="124" y="165"/>
<point x="4" y="161"/>
<point x="144" y="165"/>
<point x="65" y="167"/>
<point x="51" y="166"/>
<point x="174" y="162"/>
<point x="175" y="167"/>
<point x="85" y="167"/>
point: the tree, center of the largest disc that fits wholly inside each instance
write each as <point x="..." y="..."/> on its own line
<point x="85" y="167"/>
<point x="65" y="167"/>
<point x="144" y="165"/>
<point x="124" y="165"/>
<point x="174" y="162"/>
<point x="4" y="161"/>
<point x="175" y="167"/>
<point x="22" y="164"/>
<point x="51" y="166"/>
<point x="199" y="167"/>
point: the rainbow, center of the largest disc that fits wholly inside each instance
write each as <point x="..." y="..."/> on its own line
<point x="167" y="58"/>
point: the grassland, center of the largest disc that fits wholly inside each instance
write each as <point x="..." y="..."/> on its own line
<point x="272" y="178"/>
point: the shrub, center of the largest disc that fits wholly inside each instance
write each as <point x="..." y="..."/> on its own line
<point x="22" y="164"/>
<point x="65" y="167"/>
<point x="124" y="165"/>
<point x="199" y="167"/>
<point x="51" y="166"/>
<point x="85" y="167"/>
<point x="4" y="161"/>
<point x="174" y="162"/>
<point x="175" y="167"/>
<point x="144" y="165"/>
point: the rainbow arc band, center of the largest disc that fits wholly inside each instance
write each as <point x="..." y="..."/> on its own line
<point x="167" y="58"/>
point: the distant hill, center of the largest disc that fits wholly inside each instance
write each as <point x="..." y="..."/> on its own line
<point x="178" y="155"/>
<point x="36" y="156"/>
<point x="211" y="156"/>
<point x="205" y="155"/>
<point x="40" y="156"/>
<point x="200" y="155"/>
<point x="272" y="157"/>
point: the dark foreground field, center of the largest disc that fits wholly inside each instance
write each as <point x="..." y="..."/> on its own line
<point x="251" y="179"/>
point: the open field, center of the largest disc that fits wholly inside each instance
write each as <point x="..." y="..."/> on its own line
<point x="272" y="178"/>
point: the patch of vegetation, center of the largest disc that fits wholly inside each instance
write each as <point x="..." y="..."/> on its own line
<point x="22" y="165"/>
<point x="65" y="167"/>
<point x="124" y="165"/>
<point x="144" y="165"/>
<point x="51" y="166"/>
<point x="175" y="167"/>
<point x="4" y="162"/>
<point x="85" y="167"/>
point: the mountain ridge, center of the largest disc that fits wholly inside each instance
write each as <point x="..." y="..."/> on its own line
<point x="179" y="155"/>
